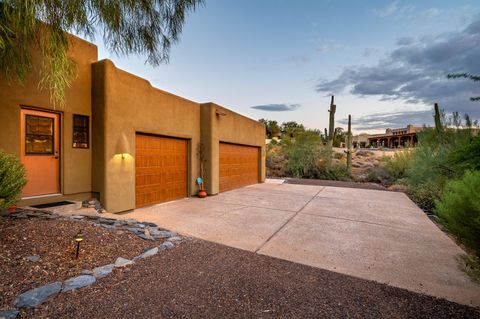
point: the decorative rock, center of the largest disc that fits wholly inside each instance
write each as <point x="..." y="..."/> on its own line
<point x="141" y="225"/>
<point x="77" y="217"/>
<point x="145" y="237"/>
<point x="109" y="227"/>
<point x="37" y="296"/>
<point x="103" y="271"/>
<point x="131" y="221"/>
<point x="166" y="245"/>
<point x="135" y="230"/>
<point x="78" y="282"/>
<point x="4" y="213"/>
<point x="148" y="253"/>
<point x="86" y="272"/>
<point x="122" y="262"/>
<point x="175" y="238"/>
<point x="9" y="314"/>
<point x="33" y="258"/>
<point x="162" y="233"/>
<point x="107" y="221"/>
<point x="20" y="216"/>
<point x="148" y="224"/>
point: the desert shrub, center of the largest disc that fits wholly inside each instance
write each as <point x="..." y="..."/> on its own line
<point x="439" y="158"/>
<point x="398" y="165"/>
<point x="390" y="170"/>
<point x="459" y="208"/>
<point x="12" y="179"/>
<point x="338" y="156"/>
<point x="308" y="158"/>
<point x="426" y="194"/>
<point x="378" y="174"/>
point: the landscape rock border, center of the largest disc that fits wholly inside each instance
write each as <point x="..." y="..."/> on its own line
<point x="145" y="230"/>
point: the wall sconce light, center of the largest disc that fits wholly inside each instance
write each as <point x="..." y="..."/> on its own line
<point x="122" y="147"/>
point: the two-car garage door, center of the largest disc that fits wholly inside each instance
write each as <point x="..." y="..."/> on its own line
<point x="239" y="166"/>
<point x="160" y="169"/>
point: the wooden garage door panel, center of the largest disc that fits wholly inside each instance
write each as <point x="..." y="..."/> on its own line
<point x="160" y="169"/>
<point x="238" y="166"/>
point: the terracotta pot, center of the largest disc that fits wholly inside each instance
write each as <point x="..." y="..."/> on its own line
<point x="202" y="193"/>
<point x="12" y="208"/>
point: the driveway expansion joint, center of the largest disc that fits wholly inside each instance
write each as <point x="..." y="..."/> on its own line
<point x="288" y="220"/>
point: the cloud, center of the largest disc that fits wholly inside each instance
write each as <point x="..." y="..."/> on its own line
<point x="390" y="120"/>
<point x="415" y="72"/>
<point x="432" y="12"/>
<point x="387" y="11"/>
<point x="395" y="10"/>
<point x="276" y="107"/>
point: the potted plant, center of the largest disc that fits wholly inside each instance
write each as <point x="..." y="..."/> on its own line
<point x="12" y="182"/>
<point x="201" y="158"/>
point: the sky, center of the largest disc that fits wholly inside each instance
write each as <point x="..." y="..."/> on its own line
<point x="385" y="61"/>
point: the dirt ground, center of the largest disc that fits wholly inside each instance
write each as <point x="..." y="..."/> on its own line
<point x="52" y="241"/>
<point x="199" y="279"/>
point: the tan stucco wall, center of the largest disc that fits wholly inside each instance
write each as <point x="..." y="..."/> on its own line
<point x="75" y="174"/>
<point x="223" y="125"/>
<point x="128" y="104"/>
<point x="121" y="104"/>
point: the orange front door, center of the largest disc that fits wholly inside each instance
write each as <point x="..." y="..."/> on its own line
<point x="40" y="149"/>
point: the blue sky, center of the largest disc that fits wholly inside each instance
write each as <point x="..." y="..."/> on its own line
<point x="281" y="59"/>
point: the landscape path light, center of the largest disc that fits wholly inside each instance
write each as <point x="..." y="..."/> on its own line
<point x="78" y="239"/>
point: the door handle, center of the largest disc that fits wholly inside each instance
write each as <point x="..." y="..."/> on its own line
<point x="56" y="154"/>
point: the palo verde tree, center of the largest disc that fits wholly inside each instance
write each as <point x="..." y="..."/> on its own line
<point x="147" y="28"/>
<point x="474" y="78"/>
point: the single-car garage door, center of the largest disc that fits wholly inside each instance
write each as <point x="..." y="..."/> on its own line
<point x="160" y="169"/>
<point x="238" y="166"/>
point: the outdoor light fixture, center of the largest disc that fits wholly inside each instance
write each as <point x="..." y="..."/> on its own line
<point x="78" y="238"/>
<point x="220" y="113"/>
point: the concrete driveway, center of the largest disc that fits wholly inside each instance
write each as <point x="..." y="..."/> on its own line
<point x="377" y="235"/>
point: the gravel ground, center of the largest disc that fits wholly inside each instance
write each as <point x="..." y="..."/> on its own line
<point x="320" y="182"/>
<point x="200" y="279"/>
<point x="52" y="240"/>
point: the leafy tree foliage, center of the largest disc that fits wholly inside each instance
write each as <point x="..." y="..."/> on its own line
<point x="147" y="28"/>
<point x="271" y="127"/>
<point x="292" y="128"/>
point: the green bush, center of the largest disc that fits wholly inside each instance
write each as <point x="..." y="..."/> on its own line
<point x="426" y="194"/>
<point x="308" y="158"/>
<point x="12" y="179"/>
<point x="398" y="165"/>
<point x="459" y="208"/>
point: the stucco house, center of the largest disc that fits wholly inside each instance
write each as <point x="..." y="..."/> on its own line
<point x="119" y="139"/>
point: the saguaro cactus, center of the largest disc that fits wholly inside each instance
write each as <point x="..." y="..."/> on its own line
<point x="349" y="145"/>
<point x="331" y="124"/>
<point x="438" y="121"/>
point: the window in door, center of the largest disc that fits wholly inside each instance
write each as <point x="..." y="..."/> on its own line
<point x="39" y="135"/>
